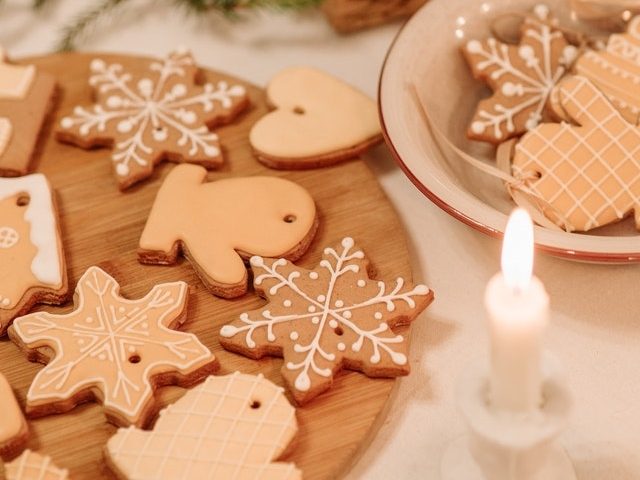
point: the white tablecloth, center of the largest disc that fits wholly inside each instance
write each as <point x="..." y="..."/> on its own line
<point x="595" y="328"/>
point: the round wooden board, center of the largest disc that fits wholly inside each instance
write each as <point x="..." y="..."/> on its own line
<point x="101" y="226"/>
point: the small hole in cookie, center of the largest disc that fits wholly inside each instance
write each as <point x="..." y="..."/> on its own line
<point x="255" y="404"/>
<point x="23" y="200"/>
<point x="338" y="331"/>
<point x="289" y="218"/>
<point x="135" y="358"/>
<point x="298" y="110"/>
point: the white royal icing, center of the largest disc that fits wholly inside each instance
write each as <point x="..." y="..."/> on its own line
<point x="149" y="104"/>
<point x="8" y="237"/>
<point x="110" y="334"/>
<point x="47" y="264"/>
<point x="330" y="312"/>
<point x="533" y="86"/>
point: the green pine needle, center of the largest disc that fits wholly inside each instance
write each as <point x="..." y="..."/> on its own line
<point x="86" y="20"/>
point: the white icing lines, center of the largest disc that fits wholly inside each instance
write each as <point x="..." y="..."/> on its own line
<point x="152" y="111"/>
<point x="327" y="312"/>
<point x="589" y="151"/>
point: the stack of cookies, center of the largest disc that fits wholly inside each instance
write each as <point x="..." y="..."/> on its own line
<point x="574" y="112"/>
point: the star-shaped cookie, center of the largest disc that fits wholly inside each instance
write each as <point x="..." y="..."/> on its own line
<point x="111" y="349"/>
<point x="327" y="318"/>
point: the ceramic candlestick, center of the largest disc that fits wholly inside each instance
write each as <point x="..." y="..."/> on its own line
<point x="510" y="446"/>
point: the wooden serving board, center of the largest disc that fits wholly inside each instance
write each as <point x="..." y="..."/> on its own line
<point x="101" y="226"/>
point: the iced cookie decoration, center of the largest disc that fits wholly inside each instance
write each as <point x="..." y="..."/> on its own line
<point x="587" y="174"/>
<point x="14" y="431"/>
<point x="616" y="70"/>
<point x="34" y="466"/>
<point x="324" y="319"/>
<point x="215" y="225"/>
<point x="25" y="97"/>
<point x="32" y="265"/>
<point x="149" y="111"/>
<point x="231" y="427"/>
<point x="318" y="120"/>
<point x="111" y="349"/>
<point x="520" y="76"/>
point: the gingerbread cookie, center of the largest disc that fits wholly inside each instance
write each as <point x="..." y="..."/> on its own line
<point x="111" y="349"/>
<point x="154" y="110"/>
<point x="34" y="466"/>
<point x="616" y="70"/>
<point x="318" y="120"/>
<point x="14" y="431"/>
<point x="520" y="76"/>
<point x="25" y="99"/>
<point x="587" y="175"/>
<point x="32" y="265"/>
<point x="324" y="319"/>
<point x="218" y="224"/>
<point x="232" y="427"/>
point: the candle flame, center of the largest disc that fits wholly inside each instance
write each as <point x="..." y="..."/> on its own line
<point x="517" y="250"/>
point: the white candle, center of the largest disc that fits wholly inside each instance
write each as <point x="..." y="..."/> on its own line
<point x="517" y="305"/>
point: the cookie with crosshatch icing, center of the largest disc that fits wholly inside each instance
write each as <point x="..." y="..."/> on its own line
<point x="14" y="431"/>
<point x="520" y="76"/>
<point x="587" y="173"/>
<point x="236" y="426"/>
<point x="34" y="466"/>
<point x="32" y="263"/>
<point x="318" y="121"/>
<point x="218" y="224"/>
<point x="111" y="349"/>
<point x="325" y="319"/>
<point x="615" y="70"/>
<point x="147" y="111"/>
<point x="25" y="99"/>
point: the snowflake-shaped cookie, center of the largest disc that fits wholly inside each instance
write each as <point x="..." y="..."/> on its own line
<point x="521" y="77"/>
<point x="112" y="349"/>
<point x="323" y="319"/>
<point x="153" y="110"/>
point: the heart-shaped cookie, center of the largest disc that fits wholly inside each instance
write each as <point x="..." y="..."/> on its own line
<point x="318" y="120"/>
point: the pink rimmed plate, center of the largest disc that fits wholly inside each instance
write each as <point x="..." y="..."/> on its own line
<point x="426" y="53"/>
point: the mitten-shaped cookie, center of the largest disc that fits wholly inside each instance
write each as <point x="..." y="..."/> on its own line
<point x="232" y="427"/>
<point x="587" y="175"/>
<point x="218" y="224"/>
<point x="615" y="71"/>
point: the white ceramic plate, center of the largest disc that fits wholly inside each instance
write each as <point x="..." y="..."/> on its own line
<point x="427" y="53"/>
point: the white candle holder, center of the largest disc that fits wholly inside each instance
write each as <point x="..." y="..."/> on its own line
<point x="510" y="446"/>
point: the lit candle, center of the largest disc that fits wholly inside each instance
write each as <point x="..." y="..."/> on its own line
<point x="517" y="305"/>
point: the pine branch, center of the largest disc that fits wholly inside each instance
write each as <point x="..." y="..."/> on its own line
<point x="86" y="20"/>
<point x="83" y="22"/>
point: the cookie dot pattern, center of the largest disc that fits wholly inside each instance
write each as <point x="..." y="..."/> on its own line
<point x="336" y="322"/>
